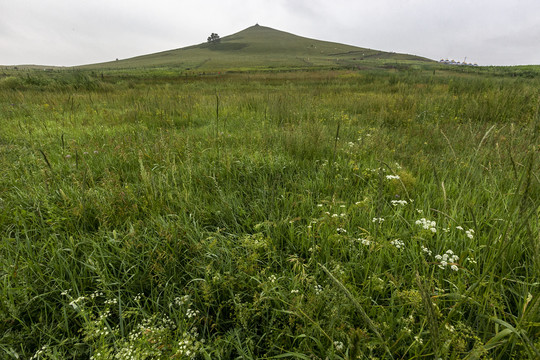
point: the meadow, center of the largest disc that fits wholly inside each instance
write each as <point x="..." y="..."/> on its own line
<point x="325" y="214"/>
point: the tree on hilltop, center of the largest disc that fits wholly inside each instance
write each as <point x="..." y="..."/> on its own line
<point x="214" y="38"/>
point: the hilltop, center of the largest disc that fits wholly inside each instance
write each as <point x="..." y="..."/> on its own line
<point x="260" y="47"/>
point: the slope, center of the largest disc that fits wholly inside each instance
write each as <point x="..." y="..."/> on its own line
<point x="259" y="47"/>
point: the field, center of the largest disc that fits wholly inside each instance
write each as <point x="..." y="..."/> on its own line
<point x="258" y="47"/>
<point x="328" y="214"/>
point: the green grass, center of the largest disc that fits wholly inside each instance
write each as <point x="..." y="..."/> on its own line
<point x="150" y="214"/>
<point x="260" y="47"/>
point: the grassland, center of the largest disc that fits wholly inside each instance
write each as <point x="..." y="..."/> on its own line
<point x="308" y="215"/>
<point x="259" y="47"/>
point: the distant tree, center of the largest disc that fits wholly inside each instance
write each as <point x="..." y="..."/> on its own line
<point x="214" y="38"/>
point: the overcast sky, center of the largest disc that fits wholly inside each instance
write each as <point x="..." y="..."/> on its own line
<point x="75" y="32"/>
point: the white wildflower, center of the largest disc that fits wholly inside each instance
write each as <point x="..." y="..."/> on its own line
<point x="191" y="313"/>
<point x="397" y="243"/>
<point x="339" y="345"/>
<point x="427" y="224"/>
<point x="365" y="242"/>
<point x="426" y="250"/>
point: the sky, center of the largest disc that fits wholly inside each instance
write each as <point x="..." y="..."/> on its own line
<point x="77" y="32"/>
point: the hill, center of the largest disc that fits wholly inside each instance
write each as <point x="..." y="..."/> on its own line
<point x="260" y="47"/>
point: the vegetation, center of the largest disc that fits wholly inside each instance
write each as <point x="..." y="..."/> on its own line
<point x="214" y="38"/>
<point x="345" y="214"/>
<point x="259" y="47"/>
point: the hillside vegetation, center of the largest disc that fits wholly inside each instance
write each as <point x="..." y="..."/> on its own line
<point x="268" y="215"/>
<point x="259" y="47"/>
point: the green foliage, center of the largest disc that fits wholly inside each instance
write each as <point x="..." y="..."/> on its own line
<point x="260" y="47"/>
<point x="310" y="214"/>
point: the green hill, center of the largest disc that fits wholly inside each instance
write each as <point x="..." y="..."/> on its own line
<point x="260" y="47"/>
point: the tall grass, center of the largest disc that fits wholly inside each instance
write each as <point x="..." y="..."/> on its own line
<point x="139" y="222"/>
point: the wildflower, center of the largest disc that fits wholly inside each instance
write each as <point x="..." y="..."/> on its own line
<point x="426" y="250"/>
<point x="459" y="227"/>
<point x="295" y="291"/>
<point x="339" y="345"/>
<point x="379" y="220"/>
<point x="272" y="278"/>
<point x="341" y="231"/>
<point x="397" y="243"/>
<point x="191" y="313"/>
<point x="392" y="177"/>
<point x="318" y="289"/>
<point x="419" y="211"/>
<point x="365" y="242"/>
<point x="335" y="215"/>
<point x="319" y="205"/>
<point x="111" y="301"/>
<point x="427" y="224"/>
<point x="447" y="258"/>
<point x="95" y="151"/>
<point x="470" y="233"/>
<point x="398" y="202"/>
<point x="85" y="153"/>
<point x="68" y="156"/>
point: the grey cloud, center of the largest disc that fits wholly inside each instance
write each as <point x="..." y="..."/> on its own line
<point x="67" y="32"/>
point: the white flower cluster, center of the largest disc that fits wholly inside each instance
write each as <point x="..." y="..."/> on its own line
<point x="189" y="346"/>
<point x="113" y="301"/>
<point x="182" y="300"/>
<point x="379" y="220"/>
<point x="426" y="250"/>
<point x="339" y="345"/>
<point x="469" y="233"/>
<point x="399" y="202"/>
<point x="272" y="278"/>
<point x="191" y="313"/>
<point x="392" y="177"/>
<point x="96" y="294"/>
<point x="318" y="289"/>
<point x="448" y="258"/>
<point x="341" y="230"/>
<point x="427" y="224"/>
<point x="397" y="243"/>
<point x="365" y="242"/>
